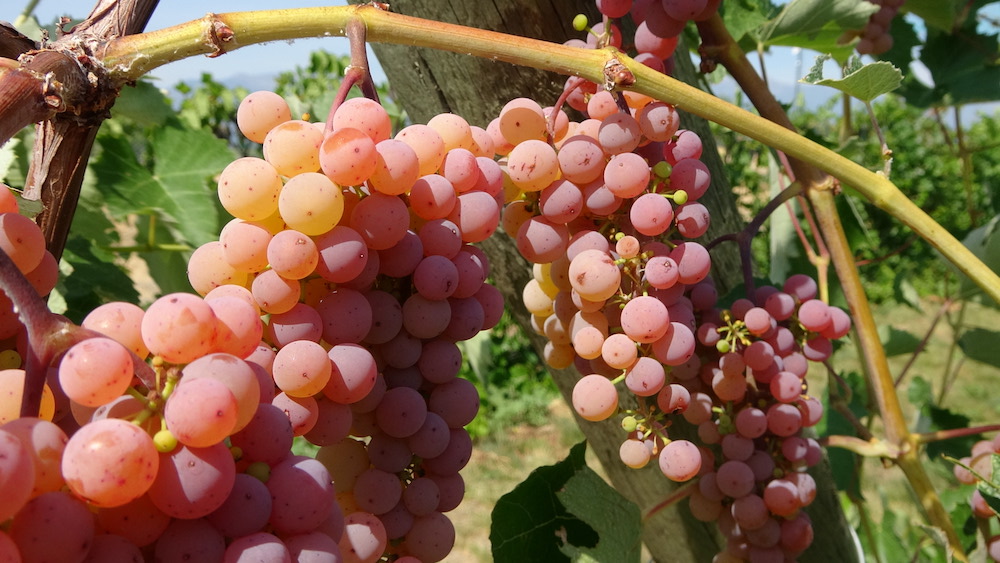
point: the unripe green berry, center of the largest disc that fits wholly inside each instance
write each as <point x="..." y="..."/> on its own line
<point x="629" y="424"/>
<point x="680" y="197"/>
<point x="662" y="169"/>
<point x="259" y="470"/>
<point x="580" y="22"/>
<point x="723" y="346"/>
<point x="165" y="441"/>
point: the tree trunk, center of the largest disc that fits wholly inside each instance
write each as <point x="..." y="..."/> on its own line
<point x="427" y="82"/>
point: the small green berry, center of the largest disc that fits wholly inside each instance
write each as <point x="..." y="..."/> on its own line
<point x="259" y="470"/>
<point x="165" y="441"/>
<point x="580" y="22"/>
<point x="629" y="424"/>
<point x="680" y="197"/>
<point x="661" y="169"/>
<point x="723" y="346"/>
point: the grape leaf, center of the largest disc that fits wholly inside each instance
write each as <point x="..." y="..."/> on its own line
<point x="862" y="81"/>
<point x="980" y="344"/>
<point x="177" y="185"/>
<point x="144" y="104"/>
<point x="743" y="16"/>
<point x="531" y="523"/>
<point x="896" y="341"/>
<point x="985" y="244"/>
<point x="618" y="520"/>
<point x="818" y="25"/>
<point x="989" y="489"/>
<point x="938" y="13"/>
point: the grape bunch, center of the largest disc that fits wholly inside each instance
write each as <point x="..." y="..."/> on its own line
<point x="753" y="404"/>
<point x="875" y="38"/>
<point x="604" y="214"/>
<point x="970" y="471"/>
<point x="330" y="308"/>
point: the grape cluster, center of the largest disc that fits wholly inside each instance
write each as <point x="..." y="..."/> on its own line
<point x="979" y="465"/>
<point x="753" y="404"/>
<point x="608" y="212"/>
<point x="330" y="308"/>
<point x="875" y="37"/>
<point x="604" y="214"/>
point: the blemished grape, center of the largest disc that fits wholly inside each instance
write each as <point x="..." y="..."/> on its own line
<point x="110" y="462"/>
<point x="260" y="112"/>
<point x="95" y="371"/>
<point x="201" y="412"/>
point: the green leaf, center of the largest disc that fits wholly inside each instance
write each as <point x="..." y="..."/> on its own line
<point x="984" y="243"/>
<point x="178" y="187"/>
<point x="864" y="82"/>
<point x="743" y="16"/>
<point x="982" y="345"/>
<point x="94" y="279"/>
<point x="532" y="523"/>
<point x="603" y="508"/>
<point x="818" y="25"/>
<point x="938" y="13"/>
<point x="904" y="292"/>
<point x="989" y="489"/>
<point x="966" y="74"/>
<point x="143" y="103"/>
<point x="920" y="392"/>
<point x="896" y="341"/>
<point x="8" y="155"/>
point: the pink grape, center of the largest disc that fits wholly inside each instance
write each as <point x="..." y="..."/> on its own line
<point x="121" y="321"/>
<point x="201" y="412"/>
<point x="301" y="368"/>
<point x="627" y="175"/>
<point x="259" y="112"/>
<point x="651" y="214"/>
<point x="432" y="197"/>
<point x="49" y="516"/>
<point x="680" y="460"/>
<point x="179" y="327"/>
<point x="193" y="482"/>
<point x="581" y="160"/>
<point x="302" y="495"/>
<point x="645" y="319"/>
<point x="381" y="220"/>
<point x="17" y="473"/>
<point x="348" y="156"/>
<point x="292" y="147"/>
<point x="190" y="540"/>
<point x="110" y="462"/>
<point x="595" y="397"/>
<point x="245" y="510"/>
<point x="95" y="371"/>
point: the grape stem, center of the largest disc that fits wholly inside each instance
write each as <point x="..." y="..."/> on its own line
<point x="747" y="234"/>
<point x="867" y="448"/>
<point x="357" y="73"/>
<point x="678" y="495"/>
<point x="939" y="435"/>
<point x="49" y="335"/>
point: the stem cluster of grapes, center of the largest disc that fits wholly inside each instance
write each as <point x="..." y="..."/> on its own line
<point x="608" y="213"/>
<point x="330" y="308"/>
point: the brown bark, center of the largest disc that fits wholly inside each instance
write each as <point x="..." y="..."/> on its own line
<point x="69" y="99"/>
